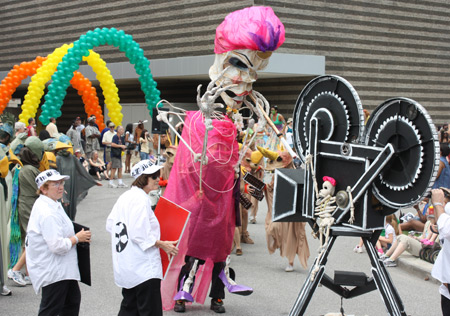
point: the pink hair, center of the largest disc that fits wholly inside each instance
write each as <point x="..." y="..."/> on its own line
<point x="255" y="28"/>
<point x="329" y="179"/>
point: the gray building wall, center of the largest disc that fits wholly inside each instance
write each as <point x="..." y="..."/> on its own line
<point x="384" y="48"/>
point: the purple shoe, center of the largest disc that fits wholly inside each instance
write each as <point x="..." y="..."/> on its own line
<point x="182" y="295"/>
<point x="235" y="288"/>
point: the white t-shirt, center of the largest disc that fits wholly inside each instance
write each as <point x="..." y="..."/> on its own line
<point x="388" y="229"/>
<point x="134" y="231"/>
<point x="50" y="255"/>
<point x="441" y="270"/>
<point x="289" y="138"/>
<point x="107" y="137"/>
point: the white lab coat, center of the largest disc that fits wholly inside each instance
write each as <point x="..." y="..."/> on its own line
<point x="50" y="255"/>
<point x="134" y="231"/>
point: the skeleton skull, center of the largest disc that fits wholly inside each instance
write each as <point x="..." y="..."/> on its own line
<point x="327" y="189"/>
<point x="242" y="66"/>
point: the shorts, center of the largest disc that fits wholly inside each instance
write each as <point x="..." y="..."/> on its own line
<point x="116" y="163"/>
<point x="107" y="155"/>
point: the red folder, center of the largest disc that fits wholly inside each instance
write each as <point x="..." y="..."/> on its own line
<point x="172" y="222"/>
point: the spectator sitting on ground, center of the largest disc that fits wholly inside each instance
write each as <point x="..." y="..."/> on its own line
<point x="390" y="235"/>
<point x="82" y="160"/>
<point x="410" y="243"/>
<point x="442" y="180"/>
<point x="97" y="166"/>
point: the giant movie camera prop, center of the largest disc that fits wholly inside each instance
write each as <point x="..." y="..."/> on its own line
<point x="387" y="164"/>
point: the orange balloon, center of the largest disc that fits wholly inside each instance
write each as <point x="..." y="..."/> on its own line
<point x="14" y="78"/>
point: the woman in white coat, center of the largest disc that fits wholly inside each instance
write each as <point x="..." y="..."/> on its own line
<point x="51" y="249"/>
<point x="135" y="235"/>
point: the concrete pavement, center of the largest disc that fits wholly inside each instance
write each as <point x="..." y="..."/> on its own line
<point x="275" y="290"/>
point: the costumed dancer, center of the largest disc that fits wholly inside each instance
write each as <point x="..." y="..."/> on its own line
<point x="80" y="181"/>
<point x="31" y="156"/>
<point x="6" y="134"/>
<point x="257" y="171"/>
<point x="135" y="243"/>
<point x="250" y="165"/>
<point x="210" y="230"/>
<point x="290" y="238"/>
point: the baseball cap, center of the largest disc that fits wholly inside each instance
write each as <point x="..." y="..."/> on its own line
<point x="49" y="175"/>
<point x="144" y="167"/>
<point x="111" y="124"/>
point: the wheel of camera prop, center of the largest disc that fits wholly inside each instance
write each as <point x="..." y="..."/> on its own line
<point x="408" y="176"/>
<point x="334" y="100"/>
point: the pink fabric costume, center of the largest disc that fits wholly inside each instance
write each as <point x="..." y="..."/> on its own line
<point x="211" y="226"/>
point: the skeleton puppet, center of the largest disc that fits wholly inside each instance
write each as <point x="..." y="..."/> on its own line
<point x="325" y="206"/>
<point x="243" y="44"/>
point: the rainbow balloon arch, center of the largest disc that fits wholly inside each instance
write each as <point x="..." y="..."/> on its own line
<point x="61" y="68"/>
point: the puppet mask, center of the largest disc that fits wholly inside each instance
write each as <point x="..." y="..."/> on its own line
<point x="170" y="155"/>
<point x="243" y="44"/>
<point x="242" y="66"/>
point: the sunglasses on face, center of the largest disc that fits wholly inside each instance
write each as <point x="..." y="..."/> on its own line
<point x="58" y="183"/>
<point x="156" y="175"/>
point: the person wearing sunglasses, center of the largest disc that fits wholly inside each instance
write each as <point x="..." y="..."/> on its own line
<point x="441" y="202"/>
<point x="135" y="244"/>
<point x="50" y="244"/>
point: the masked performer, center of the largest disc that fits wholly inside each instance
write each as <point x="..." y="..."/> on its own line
<point x="80" y="180"/>
<point x="243" y="44"/>
<point x="290" y="238"/>
<point x="6" y="133"/>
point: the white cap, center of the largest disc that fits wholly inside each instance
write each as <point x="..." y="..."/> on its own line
<point x="49" y="175"/>
<point x="144" y="167"/>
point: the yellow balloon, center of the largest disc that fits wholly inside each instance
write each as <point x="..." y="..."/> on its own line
<point x="43" y="75"/>
<point x="107" y="83"/>
<point x="45" y="72"/>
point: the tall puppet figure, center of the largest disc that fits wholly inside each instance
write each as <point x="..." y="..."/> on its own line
<point x="243" y="44"/>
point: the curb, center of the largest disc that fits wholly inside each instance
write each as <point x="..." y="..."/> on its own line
<point x="417" y="267"/>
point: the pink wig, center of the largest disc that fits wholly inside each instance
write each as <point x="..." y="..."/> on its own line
<point x="255" y="28"/>
<point x="329" y="179"/>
